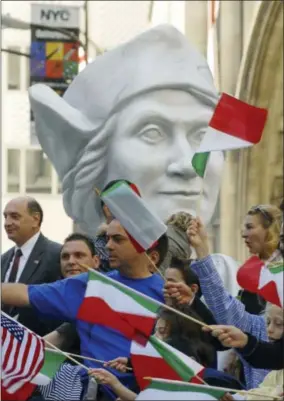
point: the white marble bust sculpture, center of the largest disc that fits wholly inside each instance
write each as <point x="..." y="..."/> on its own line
<point x="138" y="112"/>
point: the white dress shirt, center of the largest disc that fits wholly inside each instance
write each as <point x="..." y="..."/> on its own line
<point x="26" y="251"/>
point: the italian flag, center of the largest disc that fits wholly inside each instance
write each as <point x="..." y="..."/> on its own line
<point x="199" y="163"/>
<point x="143" y="227"/>
<point x="169" y="390"/>
<point x="110" y="303"/>
<point x="52" y="362"/>
<point x="263" y="279"/>
<point x="234" y="124"/>
<point x="158" y="359"/>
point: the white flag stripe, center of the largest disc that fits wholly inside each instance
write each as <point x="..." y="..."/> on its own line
<point x="151" y="394"/>
<point x="217" y="140"/>
<point x="16" y="371"/>
<point x="266" y="277"/>
<point x="116" y="299"/>
<point x="28" y="372"/>
<point x="6" y="335"/>
<point x="148" y="350"/>
<point x="41" y="380"/>
<point x="11" y="361"/>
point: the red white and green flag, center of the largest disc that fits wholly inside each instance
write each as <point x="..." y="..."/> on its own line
<point x="234" y="124"/>
<point x="110" y="303"/>
<point x="143" y="227"/>
<point x="160" y="360"/>
<point x="263" y="279"/>
<point x="168" y="390"/>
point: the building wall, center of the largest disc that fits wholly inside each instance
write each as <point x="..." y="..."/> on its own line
<point x="255" y="176"/>
<point x="25" y="169"/>
<point x="250" y="65"/>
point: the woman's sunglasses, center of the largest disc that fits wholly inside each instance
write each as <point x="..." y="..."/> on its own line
<point x="262" y="210"/>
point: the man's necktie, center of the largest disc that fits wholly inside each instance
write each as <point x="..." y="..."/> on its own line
<point x="15" y="267"/>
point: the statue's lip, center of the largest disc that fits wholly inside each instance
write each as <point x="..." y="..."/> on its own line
<point x="180" y="192"/>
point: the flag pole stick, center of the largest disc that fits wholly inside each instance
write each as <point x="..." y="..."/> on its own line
<point x="200" y="197"/>
<point x="48" y="343"/>
<point x="149" y="298"/>
<point x="97" y="191"/>
<point x="154" y="265"/>
<point x="84" y="357"/>
<point x="229" y="390"/>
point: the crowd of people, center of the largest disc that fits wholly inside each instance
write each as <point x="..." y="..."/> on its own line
<point x="240" y="345"/>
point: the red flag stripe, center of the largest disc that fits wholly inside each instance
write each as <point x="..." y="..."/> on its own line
<point x="14" y="347"/>
<point x="20" y="358"/>
<point x="32" y="368"/>
<point x="126" y="323"/>
<point x="248" y="277"/>
<point x="239" y="119"/>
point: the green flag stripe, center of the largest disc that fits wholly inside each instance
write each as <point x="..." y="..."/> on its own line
<point x="183" y="370"/>
<point x="174" y="387"/>
<point x="146" y="303"/>
<point x="276" y="268"/>
<point x="199" y="162"/>
<point x="52" y="361"/>
<point x="113" y="187"/>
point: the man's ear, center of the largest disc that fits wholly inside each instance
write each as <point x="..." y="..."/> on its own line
<point x="194" y="288"/>
<point x="96" y="262"/>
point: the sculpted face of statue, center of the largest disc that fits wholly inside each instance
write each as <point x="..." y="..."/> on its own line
<point x="139" y="112"/>
<point x="154" y="142"/>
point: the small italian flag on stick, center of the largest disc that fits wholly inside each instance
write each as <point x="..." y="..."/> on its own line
<point x="160" y="360"/>
<point x="263" y="279"/>
<point x="112" y="304"/>
<point x="234" y="125"/>
<point x="144" y="228"/>
<point x="52" y="362"/>
<point x="168" y="390"/>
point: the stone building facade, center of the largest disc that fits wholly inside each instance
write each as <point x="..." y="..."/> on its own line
<point x="250" y="66"/>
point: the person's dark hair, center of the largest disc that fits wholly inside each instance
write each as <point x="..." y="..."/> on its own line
<point x="188" y="275"/>
<point x="183" y="266"/>
<point x="34" y="207"/>
<point x="282" y="205"/>
<point x="82" y="237"/>
<point x="187" y="336"/>
<point x="161" y="247"/>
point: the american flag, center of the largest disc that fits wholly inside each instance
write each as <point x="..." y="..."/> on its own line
<point x="22" y="358"/>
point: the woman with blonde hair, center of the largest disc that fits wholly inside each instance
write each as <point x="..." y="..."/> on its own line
<point x="261" y="235"/>
<point x="262" y="225"/>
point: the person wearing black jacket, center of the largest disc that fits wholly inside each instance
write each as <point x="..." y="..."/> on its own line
<point x="261" y="355"/>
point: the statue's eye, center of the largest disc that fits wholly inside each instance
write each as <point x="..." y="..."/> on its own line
<point x="152" y="134"/>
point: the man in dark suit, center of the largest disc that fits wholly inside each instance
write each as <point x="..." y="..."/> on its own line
<point x="34" y="259"/>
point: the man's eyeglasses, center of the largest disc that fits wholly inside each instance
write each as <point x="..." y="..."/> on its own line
<point x="262" y="210"/>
